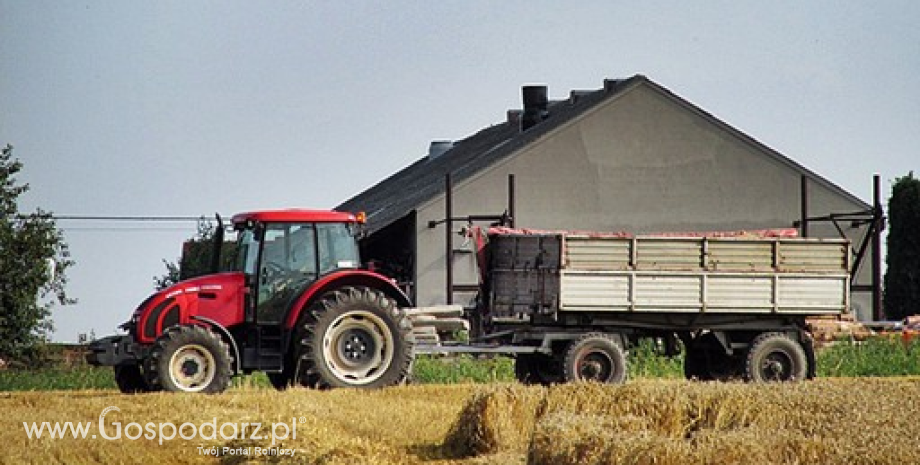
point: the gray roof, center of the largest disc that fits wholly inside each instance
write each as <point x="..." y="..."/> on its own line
<point x="405" y="191"/>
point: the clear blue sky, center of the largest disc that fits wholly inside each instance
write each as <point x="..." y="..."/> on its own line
<point x="190" y="108"/>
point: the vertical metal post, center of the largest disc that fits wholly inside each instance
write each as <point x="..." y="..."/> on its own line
<point x="804" y="206"/>
<point x="877" y="222"/>
<point x="448" y="237"/>
<point x="511" y="213"/>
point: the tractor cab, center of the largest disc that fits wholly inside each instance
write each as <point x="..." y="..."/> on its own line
<point x="280" y="253"/>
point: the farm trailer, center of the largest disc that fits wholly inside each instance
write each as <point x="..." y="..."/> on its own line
<point x="569" y="305"/>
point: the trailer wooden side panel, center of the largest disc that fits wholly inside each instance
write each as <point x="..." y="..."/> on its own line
<point x="545" y="273"/>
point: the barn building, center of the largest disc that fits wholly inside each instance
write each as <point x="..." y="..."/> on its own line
<point x="630" y="156"/>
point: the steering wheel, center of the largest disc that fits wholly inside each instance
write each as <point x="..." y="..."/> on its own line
<point x="272" y="270"/>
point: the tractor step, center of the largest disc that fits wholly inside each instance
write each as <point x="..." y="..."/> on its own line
<point x="267" y="355"/>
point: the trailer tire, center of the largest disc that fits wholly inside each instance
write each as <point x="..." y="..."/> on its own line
<point x="595" y="357"/>
<point x="537" y="369"/>
<point x="355" y="337"/>
<point x="774" y="357"/>
<point x="190" y="359"/>
<point x="129" y="379"/>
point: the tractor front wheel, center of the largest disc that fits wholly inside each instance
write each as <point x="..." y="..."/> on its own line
<point x="130" y="380"/>
<point x="190" y="359"/>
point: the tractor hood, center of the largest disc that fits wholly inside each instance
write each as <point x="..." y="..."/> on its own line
<point x="217" y="297"/>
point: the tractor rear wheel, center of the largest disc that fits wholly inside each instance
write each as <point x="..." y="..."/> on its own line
<point x="279" y="381"/>
<point x="130" y="380"/>
<point x="595" y="357"/>
<point x="355" y="337"/>
<point x="190" y="359"/>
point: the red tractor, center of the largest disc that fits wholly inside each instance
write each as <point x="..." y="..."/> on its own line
<point x="297" y="306"/>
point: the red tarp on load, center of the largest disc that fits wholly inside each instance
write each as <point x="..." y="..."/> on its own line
<point x="753" y="233"/>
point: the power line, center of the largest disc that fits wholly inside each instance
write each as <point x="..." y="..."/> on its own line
<point x="127" y="229"/>
<point x="130" y="218"/>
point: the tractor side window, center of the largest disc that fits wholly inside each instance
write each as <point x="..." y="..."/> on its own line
<point x="247" y="253"/>
<point x="337" y="247"/>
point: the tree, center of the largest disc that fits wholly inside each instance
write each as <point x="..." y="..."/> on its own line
<point x="196" y="257"/>
<point x="902" y="278"/>
<point x="33" y="262"/>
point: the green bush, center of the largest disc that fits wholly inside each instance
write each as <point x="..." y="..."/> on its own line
<point x="645" y="361"/>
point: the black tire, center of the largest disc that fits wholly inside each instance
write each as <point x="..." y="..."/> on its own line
<point x="355" y="337"/>
<point x="595" y="357"/>
<point x="774" y="357"/>
<point x="537" y="369"/>
<point x="130" y="380"/>
<point x="280" y="381"/>
<point x="190" y="359"/>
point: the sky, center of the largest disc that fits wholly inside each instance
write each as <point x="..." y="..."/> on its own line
<point x="187" y="108"/>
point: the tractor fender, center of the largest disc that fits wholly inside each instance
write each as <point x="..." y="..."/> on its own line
<point x="341" y="278"/>
<point x="225" y="333"/>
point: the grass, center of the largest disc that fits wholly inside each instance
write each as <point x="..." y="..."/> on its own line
<point x="57" y="378"/>
<point x="462" y="369"/>
<point x="882" y="356"/>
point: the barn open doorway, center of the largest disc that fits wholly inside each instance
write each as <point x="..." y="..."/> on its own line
<point x="391" y="252"/>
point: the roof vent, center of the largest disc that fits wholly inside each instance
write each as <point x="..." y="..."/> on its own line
<point x="576" y="95"/>
<point x="438" y="148"/>
<point x="612" y="85"/>
<point x="535" y="104"/>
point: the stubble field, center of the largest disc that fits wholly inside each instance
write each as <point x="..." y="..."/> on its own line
<point x="660" y="421"/>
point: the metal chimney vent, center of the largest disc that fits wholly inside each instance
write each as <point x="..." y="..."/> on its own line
<point x="535" y="104"/>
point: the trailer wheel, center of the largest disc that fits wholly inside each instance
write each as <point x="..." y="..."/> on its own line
<point x="595" y="357"/>
<point x="775" y="357"/>
<point x="537" y="369"/>
<point x="130" y="380"/>
<point x="355" y="337"/>
<point x="190" y="359"/>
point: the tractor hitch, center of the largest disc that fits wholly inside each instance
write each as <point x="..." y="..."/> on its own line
<point x="113" y="350"/>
